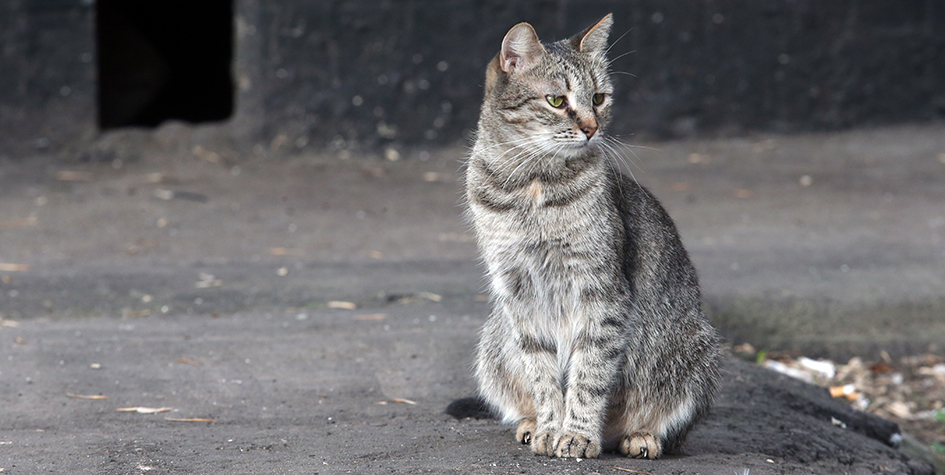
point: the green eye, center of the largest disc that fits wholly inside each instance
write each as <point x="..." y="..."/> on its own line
<point x="598" y="99"/>
<point x="555" y="101"/>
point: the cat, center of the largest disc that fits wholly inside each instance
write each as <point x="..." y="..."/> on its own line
<point x="597" y="340"/>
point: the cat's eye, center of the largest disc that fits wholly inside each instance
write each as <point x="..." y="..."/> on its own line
<point x="555" y="101"/>
<point x="598" y="99"/>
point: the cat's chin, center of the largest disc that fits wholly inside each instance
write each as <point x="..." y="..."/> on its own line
<point x="577" y="149"/>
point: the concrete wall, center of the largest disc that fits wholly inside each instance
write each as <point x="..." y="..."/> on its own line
<point x="342" y="74"/>
<point x="47" y="74"/>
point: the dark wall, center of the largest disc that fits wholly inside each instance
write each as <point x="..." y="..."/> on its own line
<point x="411" y="71"/>
<point x="353" y="73"/>
<point x="47" y="74"/>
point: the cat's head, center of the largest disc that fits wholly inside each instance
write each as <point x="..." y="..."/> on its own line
<point x="554" y="96"/>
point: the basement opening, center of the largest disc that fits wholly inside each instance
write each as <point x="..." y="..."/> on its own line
<point x="164" y="60"/>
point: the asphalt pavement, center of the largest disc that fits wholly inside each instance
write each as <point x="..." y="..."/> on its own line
<point x="298" y="313"/>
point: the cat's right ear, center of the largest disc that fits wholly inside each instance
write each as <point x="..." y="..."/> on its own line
<point x="521" y="49"/>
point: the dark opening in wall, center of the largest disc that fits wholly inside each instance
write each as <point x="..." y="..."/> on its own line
<point x="164" y="60"/>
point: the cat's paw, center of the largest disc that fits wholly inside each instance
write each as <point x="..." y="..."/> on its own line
<point x="526" y="429"/>
<point x="543" y="443"/>
<point x="577" y="446"/>
<point x="641" y="445"/>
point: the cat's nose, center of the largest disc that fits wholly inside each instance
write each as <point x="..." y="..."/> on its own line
<point x="589" y="131"/>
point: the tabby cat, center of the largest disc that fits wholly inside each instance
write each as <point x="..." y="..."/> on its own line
<point x="597" y="340"/>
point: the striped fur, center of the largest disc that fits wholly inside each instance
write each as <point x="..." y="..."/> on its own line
<point x="596" y="340"/>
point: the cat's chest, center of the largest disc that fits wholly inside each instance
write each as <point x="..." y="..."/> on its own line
<point x="546" y="212"/>
<point x="535" y="193"/>
<point x="548" y="228"/>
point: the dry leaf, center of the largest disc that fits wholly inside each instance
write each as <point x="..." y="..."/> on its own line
<point x="67" y="175"/>
<point x="342" y="305"/>
<point x="434" y="176"/>
<point x="9" y="323"/>
<point x="206" y="284"/>
<point x="205" y="154"/>
<point x="10" y="267"/>
<point x="763" y="146"/>
<point x="145" y="410"/>
<point x="430" y="296"/>
<point x="404" y="401"/>
<point x="19" y="223"/>
<point x="698" y="158"/>
<point x="373" y="317"/>
<point x="899" y="409"/>
<point x="631" y="471"/>
<point x="128" y="313"/>
<point x="881" y="368"/>
<point x="86" y="396"/>
<point x="156" y="177"/>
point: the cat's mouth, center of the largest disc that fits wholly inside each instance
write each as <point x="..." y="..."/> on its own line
<point x="577" y="148"/>
<point x="582" y="143"/>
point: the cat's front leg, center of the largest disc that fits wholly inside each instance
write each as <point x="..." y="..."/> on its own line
<point x="594" y="363"/>
<point x="540" y="364"/>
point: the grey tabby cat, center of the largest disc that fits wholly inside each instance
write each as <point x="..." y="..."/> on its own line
<point x="597" y="340"/>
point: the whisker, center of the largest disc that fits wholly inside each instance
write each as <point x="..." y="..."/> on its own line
<point x="614" y="146"/>
<point x="617" y="41"/>
<point x="529" y="155"/>
<point x="504" y="159"/>
<point x="616" y="138"/>
<point x="621" y="56"/>
<point x="606" y="150"/>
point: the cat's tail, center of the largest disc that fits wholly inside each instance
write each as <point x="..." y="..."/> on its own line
<point x="474" y="407"/>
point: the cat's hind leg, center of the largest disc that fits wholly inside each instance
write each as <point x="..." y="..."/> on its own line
<point x="647" y="428"/>
<point x="501" y="382"/>
<point x="526" y="430"/>
<point x="643" y="445"/>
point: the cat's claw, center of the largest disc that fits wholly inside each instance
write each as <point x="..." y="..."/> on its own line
<point x="525" y="430"/>
<point x="577" y="446"/>
<point x="641" y="445"/>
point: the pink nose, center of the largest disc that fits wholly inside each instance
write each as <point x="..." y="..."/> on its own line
<point x="589" y="131"/>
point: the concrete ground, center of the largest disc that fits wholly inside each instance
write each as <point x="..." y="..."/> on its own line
<point x="322" y="311"/>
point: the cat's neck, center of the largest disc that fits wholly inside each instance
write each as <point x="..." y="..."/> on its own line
<point x="512" y="166"/>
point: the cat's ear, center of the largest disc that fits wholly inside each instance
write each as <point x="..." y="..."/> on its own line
<point x="521" y="49"/>
<point x="594" y="39"/>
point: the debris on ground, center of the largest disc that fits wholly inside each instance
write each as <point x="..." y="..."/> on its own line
<point x="145" y="410"/>
<point x="188" y="419"/>
<point x="909" y="391"/>
<point x="86" y="396"/>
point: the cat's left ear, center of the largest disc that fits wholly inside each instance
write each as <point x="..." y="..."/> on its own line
<point x="594" y="39"/>
<point x="520" y="48"/>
